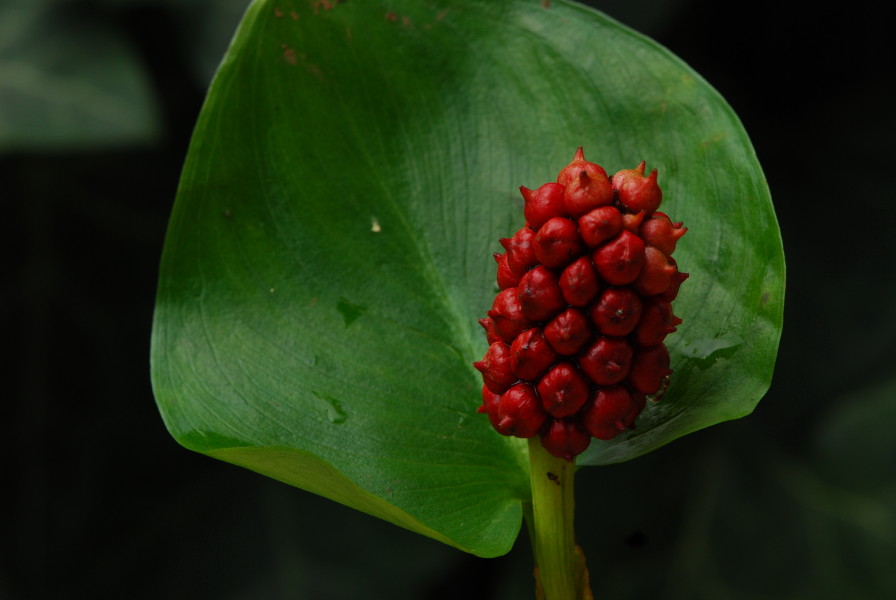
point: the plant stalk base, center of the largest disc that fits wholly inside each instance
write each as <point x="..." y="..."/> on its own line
<point x="560" y="572"/>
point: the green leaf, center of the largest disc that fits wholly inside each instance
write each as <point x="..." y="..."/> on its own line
<point x="330" y="248"/>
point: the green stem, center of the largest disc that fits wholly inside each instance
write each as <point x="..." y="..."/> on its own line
<point x="561" y="573"/>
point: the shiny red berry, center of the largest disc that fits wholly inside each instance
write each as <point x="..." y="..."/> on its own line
<point x="636" y="192"/>
<point x="632" y="221"/>
<point x="617" y="311"/>
<point x="568" y="331"/>
<point x="506" y="277"/>
<point x="600" y="225"/>
<point x="519" y="412"/>
<point x="657" y="321"/>
<point x="506" y="316"/>
<point x="576" y="166"/>
<point x="619" y="261"/>
<point x="586" y="191"/>
<point x="489" y="406"/>
<point x="660" y="232"/>
<point x="564" y="389"/>
<point x="579" y="283"/>
<point x="672" y="291"/>
<point x="565" y="438"/>
<point x="531" y="354"/>
<point x="539" y="293"/>
<point x="544" y="203"/>
<point x="649" y="369"/>
<point x="557" y="242"/>
<point x="607" y="360"/>
<point x="496" y="368"/>
<point x="612" y="412"/>
<point x="520" y="250"/>
<point x="490" y="334"/>
<point x="656" y="274"/>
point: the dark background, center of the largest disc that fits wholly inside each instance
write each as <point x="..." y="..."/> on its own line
<point x="797" y="500"/>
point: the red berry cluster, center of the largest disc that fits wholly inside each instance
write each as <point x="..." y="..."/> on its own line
<point x="576" y="333"/>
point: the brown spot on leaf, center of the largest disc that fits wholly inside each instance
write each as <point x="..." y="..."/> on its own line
<point x="546" y="3"/>
<point x="278" y="13"/>
<point x="713" y="140"/>
<point x="289" y="55"/>
<point x="391" y="16"/>
<point x="293" y="15"/>
<point x="294" y="58"/>
<point x="310" y="67"/>
<point x="325" y="5"/>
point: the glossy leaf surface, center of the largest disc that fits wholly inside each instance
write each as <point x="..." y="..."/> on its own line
<point x="330" y="249"/>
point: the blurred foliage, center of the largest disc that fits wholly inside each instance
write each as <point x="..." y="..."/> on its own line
<point x="67" y="81"/>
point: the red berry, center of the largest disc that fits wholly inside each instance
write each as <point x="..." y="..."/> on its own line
<point x="531" y="354"/>
<point x="565" y="438"/>
<point x="600" y="225"/>
<point x="620" y="260"/>
<point x="568" y="331"/>
<point x="578" y="282"/>
<point x="635" y="191"/>
<point x="640" y="401"/>
<point x="607" y="360"/>
<point x="496" y="368"/>
<point x="557" y="242"/>
<point x="632" y="221"/>
<point x="616" y="312"/>
<point x="612" y="412"/>
<point x="575" y="168"/>
<point x="520" y="251"/>
<point x="539" y="293"/>
<point x="656" y="274"/>
<point x="563" y="390"/>
<point x="490" y="334"/>
<point x="587" y="191"/>
<point x="519" y="412"/>
<point x="489" y="406"/>
<point x="657" y="321"/>
<point x="649" y="369"/>
<point x="576" y="336"/>
<point x="507" y="318"/>
<point x="660" y="232"/>
<point x="506" y="277"/>
<point x="543" y="204"/>
<point x="672" y="292"/>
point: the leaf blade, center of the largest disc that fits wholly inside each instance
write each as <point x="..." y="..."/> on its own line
<point x="328" y="255"/>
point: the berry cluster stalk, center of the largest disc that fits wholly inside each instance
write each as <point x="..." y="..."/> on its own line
<point x="560" y="565"/>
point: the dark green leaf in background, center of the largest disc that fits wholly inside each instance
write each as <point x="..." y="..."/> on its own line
<point x="68" y="80"/>
<point x="330" y="248"/>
